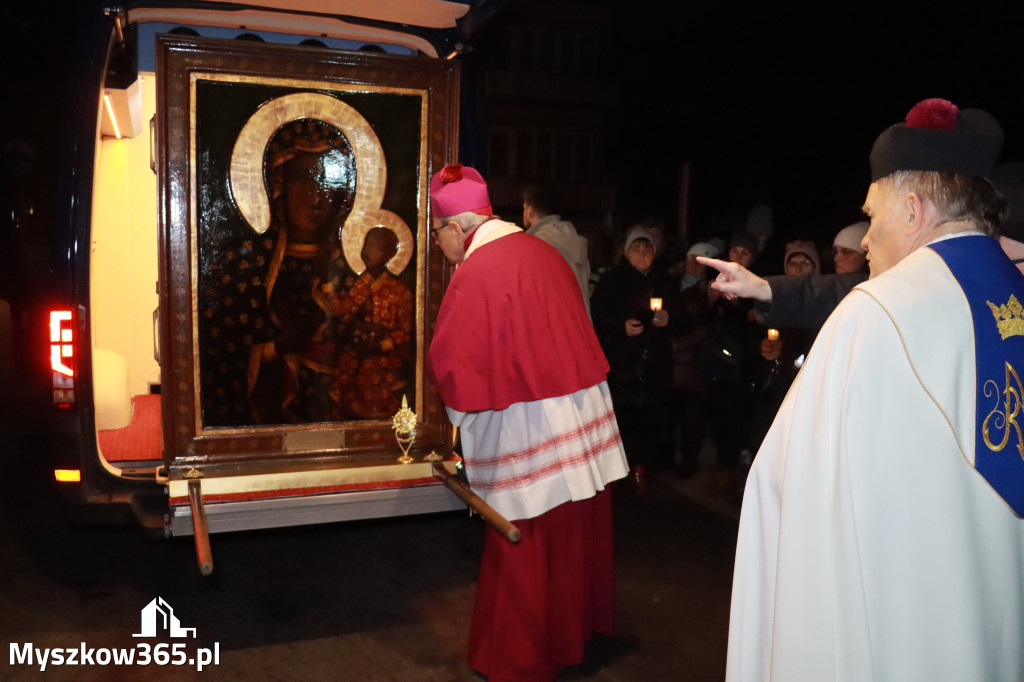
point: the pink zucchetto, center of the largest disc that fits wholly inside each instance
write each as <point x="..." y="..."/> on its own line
<point x="457" y="189"/>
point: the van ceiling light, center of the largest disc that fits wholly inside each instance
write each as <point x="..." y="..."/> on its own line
<point x="123" y="111"/>
<point x="111" y="115"/>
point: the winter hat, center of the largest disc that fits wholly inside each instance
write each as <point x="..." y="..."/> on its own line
<point x="636" y="232"/>
<point x="744" y="239"/>
<point x="457" y="189"/>
<point x="937" y="136"/>
<point x="805" y="247"/>
<point x="851" y="236"/>
<point x="703" y="249"/>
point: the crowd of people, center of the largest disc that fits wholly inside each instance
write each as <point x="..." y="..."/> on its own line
<point x="688" y="364"/>
<point x="880" y="535"/>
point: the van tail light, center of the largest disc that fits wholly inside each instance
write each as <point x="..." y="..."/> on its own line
<point x="62" y="357"/>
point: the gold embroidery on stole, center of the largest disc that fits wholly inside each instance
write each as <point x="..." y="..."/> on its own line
<point x="1004" y="420"/>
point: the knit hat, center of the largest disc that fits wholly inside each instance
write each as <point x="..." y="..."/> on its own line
<point x="744" y="239"/>
<point x="457" y="189"/>
<point x="937" y="136"/>
<point x="703" y="249"/>
<point x="1008" y="178"/>
<point x="637" y="232"/>
<point x="851" y="236"/>
<point x="805" y="247"/>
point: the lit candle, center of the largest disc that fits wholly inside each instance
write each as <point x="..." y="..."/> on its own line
<point x="655" y="304"/>
<point x="773" y="334"/>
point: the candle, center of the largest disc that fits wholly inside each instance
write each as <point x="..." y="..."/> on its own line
<point x="773" y="334"/>
<point x="655" y="304"/>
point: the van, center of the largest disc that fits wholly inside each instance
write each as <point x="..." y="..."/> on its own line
<point x="244" y="289"/>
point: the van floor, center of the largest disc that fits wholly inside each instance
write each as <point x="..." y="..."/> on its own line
<point x="141" y="440"/>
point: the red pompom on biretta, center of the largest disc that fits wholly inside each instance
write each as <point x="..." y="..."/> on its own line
<point x="937" y="136"/>
<point x="457" y="189"/>
<point x="933" y="114"/>
<point x="451" y="173"/>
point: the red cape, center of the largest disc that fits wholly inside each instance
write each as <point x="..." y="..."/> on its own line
<point x="512" y="328"/>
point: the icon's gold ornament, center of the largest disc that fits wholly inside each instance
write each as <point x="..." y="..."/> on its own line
<point x="404" y="424"/>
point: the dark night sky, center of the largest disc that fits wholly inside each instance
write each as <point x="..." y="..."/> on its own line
<point x="781" y="106"/>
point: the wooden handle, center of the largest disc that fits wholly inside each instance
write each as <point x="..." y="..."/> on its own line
<point x="199" y="529"/>
<point x="474" y="502"/>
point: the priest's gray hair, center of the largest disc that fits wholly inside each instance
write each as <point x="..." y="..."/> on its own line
<point x="958" y="197"/>
<point x="468" y="220"/>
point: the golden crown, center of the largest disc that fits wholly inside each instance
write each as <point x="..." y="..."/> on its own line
<point x="1009" y="317"/>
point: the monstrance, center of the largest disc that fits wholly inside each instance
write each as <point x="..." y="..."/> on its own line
<point x="404" y="424"/>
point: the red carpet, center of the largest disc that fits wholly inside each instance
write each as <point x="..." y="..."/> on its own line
<point x="141" y="439"/>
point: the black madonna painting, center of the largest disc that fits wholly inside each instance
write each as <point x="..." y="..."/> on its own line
<point x="306" y="285"/>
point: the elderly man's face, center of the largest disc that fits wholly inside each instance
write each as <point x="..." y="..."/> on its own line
<point x="886" y="240"/>
<point x="450" y="238"/>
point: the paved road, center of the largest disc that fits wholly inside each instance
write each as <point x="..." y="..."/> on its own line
<point x="354" y="602"/>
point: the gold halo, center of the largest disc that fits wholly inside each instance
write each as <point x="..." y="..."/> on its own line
<point x="356" y="227"/>
<point x="246" y="171"/>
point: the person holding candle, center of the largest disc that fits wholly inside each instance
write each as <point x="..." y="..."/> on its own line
<point x="635" y="310"/>
<point x="783" y="351"/>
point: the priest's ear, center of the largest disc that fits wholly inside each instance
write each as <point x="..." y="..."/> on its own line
<point x="917" y="211"/>
<point x="459" y="229"/>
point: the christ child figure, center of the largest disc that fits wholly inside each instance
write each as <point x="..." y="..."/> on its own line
<point x="377" y="310"/>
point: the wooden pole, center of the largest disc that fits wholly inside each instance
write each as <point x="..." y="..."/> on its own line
<point x="473" y="501"/>
<point x="199" y="528"/>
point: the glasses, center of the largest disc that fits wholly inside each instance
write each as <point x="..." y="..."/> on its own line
<point x="434" y="231"/>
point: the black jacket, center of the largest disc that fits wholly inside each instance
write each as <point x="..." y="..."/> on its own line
<point x="641" y="366"/>
<point x="806" y="301"/>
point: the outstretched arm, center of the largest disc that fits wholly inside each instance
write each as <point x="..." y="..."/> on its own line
<point x="802" y="301"/>
<point x="735" y="281"/>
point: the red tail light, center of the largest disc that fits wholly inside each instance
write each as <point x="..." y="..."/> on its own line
<point x="62" y="357"/>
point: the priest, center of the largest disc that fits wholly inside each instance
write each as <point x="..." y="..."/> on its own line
<point x="881" y="534"/>
<point x="515" y="359"/>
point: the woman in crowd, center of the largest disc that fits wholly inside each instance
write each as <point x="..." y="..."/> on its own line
<point x="633" y="308"/>
<point x="847" y="253"/>
<point x="782" y="351"/>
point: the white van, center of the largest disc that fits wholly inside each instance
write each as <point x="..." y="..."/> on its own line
<point x="246" y="290"/>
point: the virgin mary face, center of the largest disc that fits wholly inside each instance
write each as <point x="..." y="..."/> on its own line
<point x="315" y="193"/>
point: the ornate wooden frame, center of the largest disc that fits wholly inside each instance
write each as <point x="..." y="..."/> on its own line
<point x="315" y="75"/>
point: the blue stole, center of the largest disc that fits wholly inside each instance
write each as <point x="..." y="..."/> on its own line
<point x="995" y="291"/>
